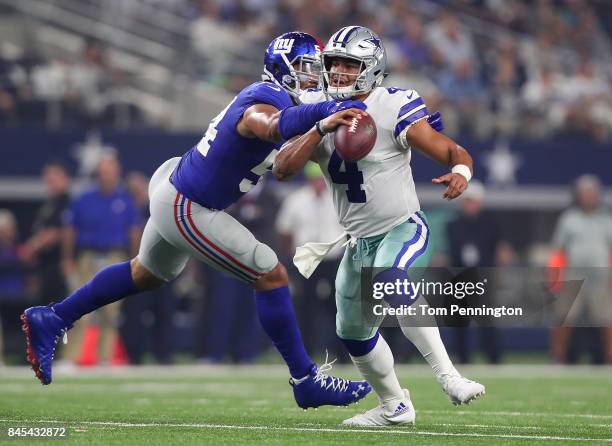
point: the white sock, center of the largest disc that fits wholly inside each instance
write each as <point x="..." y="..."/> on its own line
<point x="427" y="340"/>
<point x="377" y="368"/>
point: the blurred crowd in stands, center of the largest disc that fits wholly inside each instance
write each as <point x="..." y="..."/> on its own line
<point x="532" y="68"/>
<point x="523" y="67"/>
<point x="86" y="92"/>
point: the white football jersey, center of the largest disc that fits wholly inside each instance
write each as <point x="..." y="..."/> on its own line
<point x="376" y="193"/>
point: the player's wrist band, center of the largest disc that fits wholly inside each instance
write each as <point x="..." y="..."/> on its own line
<point x="462" y="170"/>
<point x="319" y="129"/>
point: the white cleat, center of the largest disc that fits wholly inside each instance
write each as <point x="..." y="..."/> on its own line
<point x="461" y="390"/>
<point x="403" y="414"/>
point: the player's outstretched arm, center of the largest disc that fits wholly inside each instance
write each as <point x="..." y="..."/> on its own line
<point x="266" y="122"/>
<point x="445" y="151"/>
<point x="260" y="121"/>
<point x="294" y="154"/>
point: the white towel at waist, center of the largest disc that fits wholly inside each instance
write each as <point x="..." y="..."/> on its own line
<point x="308" y="256"/>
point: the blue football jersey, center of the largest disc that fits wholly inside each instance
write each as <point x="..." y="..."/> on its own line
<point x="225" y="165"/>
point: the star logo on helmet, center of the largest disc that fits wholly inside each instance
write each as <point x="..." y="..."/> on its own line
<point x="374" y="41"/>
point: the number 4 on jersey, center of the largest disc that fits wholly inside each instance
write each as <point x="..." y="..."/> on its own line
<point x="352" y="177"/>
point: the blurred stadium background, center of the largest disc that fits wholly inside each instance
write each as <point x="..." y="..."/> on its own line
<point x="526" y="86"/>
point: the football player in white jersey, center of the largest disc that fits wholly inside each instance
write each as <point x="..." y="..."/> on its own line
<point x="377" y="205"/>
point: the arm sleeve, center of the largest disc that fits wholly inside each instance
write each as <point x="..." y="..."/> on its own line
<point x="411" y="109"/>
<point x="294" y="119"/>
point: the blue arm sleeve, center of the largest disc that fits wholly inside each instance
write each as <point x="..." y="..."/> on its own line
<point x="298" y="120"/>
<point x="294" y="120"/>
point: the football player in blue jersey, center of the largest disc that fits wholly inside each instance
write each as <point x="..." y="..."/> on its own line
<point x="188" y="195"/>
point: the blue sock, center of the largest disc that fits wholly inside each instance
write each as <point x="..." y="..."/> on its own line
<point x="109" y="285"/>
<point x="360" y="348"/>
<point x="275" y="311"/>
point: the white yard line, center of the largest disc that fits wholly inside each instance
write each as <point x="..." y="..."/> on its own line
<point x="310" y="429"/>
<point x="215" y="388"/>
<point x="488" y="426"/>
<point x="518" y="414"/>
<point x="512" y="426"/>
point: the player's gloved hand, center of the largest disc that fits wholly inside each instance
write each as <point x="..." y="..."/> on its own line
<point x="335" y="107"/>
<point x="435" y="121"/>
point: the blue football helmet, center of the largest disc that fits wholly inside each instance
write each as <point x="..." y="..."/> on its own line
<point x="292" y="59"/>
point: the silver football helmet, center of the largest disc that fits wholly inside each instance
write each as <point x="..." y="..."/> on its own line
<point x="362" y="45"/>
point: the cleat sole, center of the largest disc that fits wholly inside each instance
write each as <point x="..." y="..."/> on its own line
<point x="467" y="402"/>
<point x="30" y="356"/>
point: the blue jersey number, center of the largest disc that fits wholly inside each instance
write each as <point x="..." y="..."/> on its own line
<point x="352" y="177"/>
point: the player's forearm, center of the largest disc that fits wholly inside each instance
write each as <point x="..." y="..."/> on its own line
<point x="295" y="154"/>
<point x="446" y="151"/>
<point x="265" y="122"/>
<point x="271" y="131"/>
<point x="458" y="155"/>
<point x="438" y="146"/>
<point x="262" y="126"/>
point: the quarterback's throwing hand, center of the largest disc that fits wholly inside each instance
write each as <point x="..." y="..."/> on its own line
<point x="456" y="184"/>
<point x="343" y="117"/>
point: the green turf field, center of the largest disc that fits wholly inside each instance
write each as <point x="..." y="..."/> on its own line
<point x="253" y="405"/>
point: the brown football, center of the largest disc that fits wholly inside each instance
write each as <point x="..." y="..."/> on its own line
<point x="354" y="142"/>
